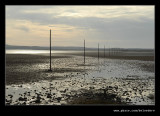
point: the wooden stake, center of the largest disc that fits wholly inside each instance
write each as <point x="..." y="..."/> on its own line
<point x="98" y="51"/>
<point x="84" y="52"/>
<point x="50" y="51"/>
<point x="104" y="51"/>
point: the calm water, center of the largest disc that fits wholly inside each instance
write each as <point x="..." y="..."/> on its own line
<point x="126" y="53"/>
<point x="17" y="51"/>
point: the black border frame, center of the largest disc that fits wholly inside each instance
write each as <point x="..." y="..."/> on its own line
<point x="94" y="109"/>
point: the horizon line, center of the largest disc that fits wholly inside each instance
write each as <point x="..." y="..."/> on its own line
<point x="80" y="47"/>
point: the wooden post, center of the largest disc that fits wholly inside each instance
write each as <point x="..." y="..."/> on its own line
<point x="98" y="51"/>
<point x="104" y="51"/>
<point x="50" y="51"/>
<point x="113" y="52"/>
<point x="84" y="52"/>
<point x="109" y="52"/>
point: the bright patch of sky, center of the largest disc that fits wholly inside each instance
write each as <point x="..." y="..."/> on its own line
<point x="112" y="26"/>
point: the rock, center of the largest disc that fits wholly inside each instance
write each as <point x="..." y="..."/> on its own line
<point x="58" y="99"/>
<point x="22" y="99"/>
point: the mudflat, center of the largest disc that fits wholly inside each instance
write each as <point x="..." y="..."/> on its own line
<point x="112" y="80"/>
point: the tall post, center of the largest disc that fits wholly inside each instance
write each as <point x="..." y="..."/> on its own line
<point x="113" y="51"/>
<point x="50" y="50"/>
<point x="98" y="51"/>
<point x="104" y="51"/>
<point x="84" y="52"/>
<point x="109" y="51"/>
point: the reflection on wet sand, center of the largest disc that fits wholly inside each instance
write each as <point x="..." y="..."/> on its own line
<point x="109" y="81"/>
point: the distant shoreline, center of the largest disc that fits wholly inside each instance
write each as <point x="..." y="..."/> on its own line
<point x="74" y="48"/>
<point x="128" y="55"/>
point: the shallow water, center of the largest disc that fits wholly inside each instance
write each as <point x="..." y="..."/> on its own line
<point x="17" y="51"/>
<point x="135" y="85"/>
<point x="120" y="53"/>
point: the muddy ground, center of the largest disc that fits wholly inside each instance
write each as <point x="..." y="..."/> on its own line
<point x="109" y="81"/>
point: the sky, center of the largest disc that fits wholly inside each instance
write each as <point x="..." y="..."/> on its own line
<point x="110" y="26"/>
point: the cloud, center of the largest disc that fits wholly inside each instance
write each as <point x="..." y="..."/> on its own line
<point x="82" y="11"/>
<point x="117" y="24"/>
<point x="79" y="15"/>
<point x="24" y="28"/>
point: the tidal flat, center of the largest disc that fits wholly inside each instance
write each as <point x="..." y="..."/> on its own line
<point x="112" y="80"/>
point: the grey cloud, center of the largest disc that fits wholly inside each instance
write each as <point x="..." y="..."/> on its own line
<point x="72" y="11"/>
<point x="24" y="28"/>
<point x="120" y="29"/>
<point x="108" y="28"/>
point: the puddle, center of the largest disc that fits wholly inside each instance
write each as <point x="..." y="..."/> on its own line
<point x="123" y="78"/>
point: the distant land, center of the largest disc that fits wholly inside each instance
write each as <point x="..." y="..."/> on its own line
<point x="72" y="48"/>
<point x="44" y="48"/>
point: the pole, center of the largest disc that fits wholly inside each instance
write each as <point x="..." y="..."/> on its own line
<point x="84" y="51"/>
<point x="109" y="51"/>
<point x="98" y="51"/>
<point x="104" y="51"/>
<point x="50" y="50"/>
<point x="113" y="51"/>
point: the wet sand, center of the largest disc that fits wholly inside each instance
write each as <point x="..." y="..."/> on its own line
<point x="23" y="68"/>
<point x="144" y="56"/>
<point x="113" y="80"/>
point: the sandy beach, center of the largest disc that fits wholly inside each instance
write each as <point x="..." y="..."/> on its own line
<point x="113" y="80"/>
<point x="80" y="55"/>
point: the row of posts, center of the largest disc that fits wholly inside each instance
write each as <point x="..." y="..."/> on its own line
<point x="111" y="52"/>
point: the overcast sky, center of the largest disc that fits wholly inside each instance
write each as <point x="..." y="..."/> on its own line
<point x="112" y="26"/>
